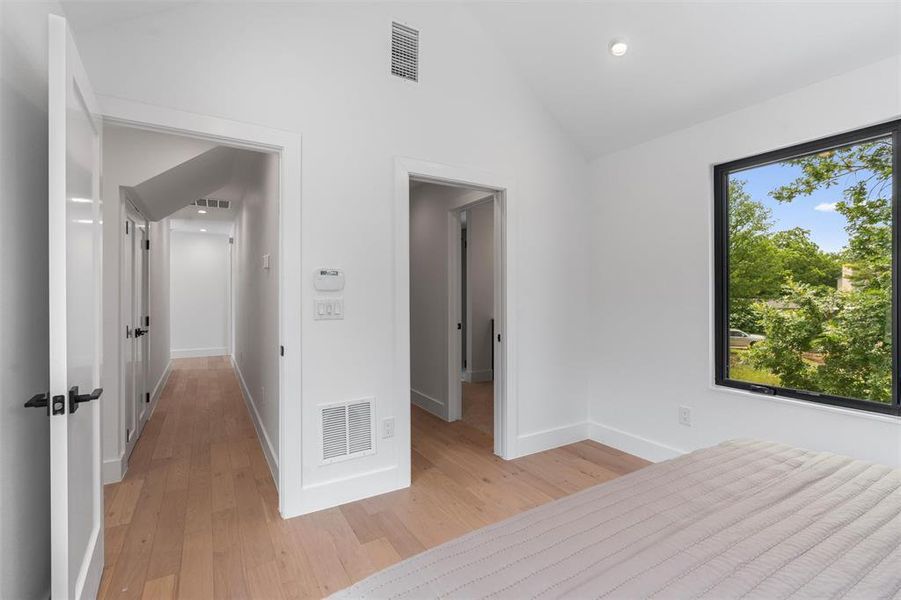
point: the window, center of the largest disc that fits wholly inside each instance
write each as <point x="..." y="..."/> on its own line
<point x="807" y="254"/>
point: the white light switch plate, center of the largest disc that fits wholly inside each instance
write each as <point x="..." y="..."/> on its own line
<point x="328" y="309"/>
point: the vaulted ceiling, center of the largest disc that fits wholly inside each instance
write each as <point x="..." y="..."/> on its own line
<point x="687" y="61"/>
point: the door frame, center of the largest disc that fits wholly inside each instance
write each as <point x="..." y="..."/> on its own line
<point x="455" y="288"/>
<point x="130" y="212"/>
<point x="286" y="463"/>
<point x="505" y="402"/>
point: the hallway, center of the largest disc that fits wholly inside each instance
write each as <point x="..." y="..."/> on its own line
<point x="196" y="515"/>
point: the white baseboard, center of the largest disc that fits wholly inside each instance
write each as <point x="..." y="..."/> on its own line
<point x="551" y="438"/>
<point x="268" y="451"/>
<point x="159" y="387"/>
<point x="335" y="492"/>
<point x="602" y="434"/>
<point x="631" y="443"/>
<point x="426" y="402"/>
<point x="478" y="376"/>
<point x="198" y="352"/>
<point x="113" y="469"/>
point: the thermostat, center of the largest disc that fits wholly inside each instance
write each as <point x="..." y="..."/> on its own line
<point x="328" y="280"/>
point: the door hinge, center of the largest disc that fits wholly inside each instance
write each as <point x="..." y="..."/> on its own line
<point x="147" y="321"/>
<point x="147" y="397"/>
<point x="127" y="435"/>
<point x="147" y="244"/>
<point x="126" y="227"/>
<point x="281" y="350"/>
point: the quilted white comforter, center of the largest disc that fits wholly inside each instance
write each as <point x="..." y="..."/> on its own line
<point x="743" y="519"/>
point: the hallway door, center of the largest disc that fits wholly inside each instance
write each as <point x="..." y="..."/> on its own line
<point x="136" y="321"/>
<point x="76" y="506"/>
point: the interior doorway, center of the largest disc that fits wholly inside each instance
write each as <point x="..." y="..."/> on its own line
<point x="456" y="295"/>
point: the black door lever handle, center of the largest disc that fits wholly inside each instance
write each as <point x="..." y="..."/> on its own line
<point x="38" y="401"/>
<point x="75" y="398"/>
<point x="139" y="332"/>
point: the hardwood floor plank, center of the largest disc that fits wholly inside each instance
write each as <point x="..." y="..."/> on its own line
<point x="159" y="589"/>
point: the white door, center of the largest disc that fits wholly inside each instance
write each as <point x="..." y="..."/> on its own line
<point x="76" y="515"/>
<point x="139" y="316"/>
<point x="134" y="299"/>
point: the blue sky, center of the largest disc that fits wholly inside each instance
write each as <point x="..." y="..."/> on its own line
<point x="815" y="212"/>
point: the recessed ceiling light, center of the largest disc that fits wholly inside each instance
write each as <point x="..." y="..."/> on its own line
<point x="82" y="200"/>
<point x="618" y="47"/>
<point x="201" y="212"/>
<point x="203" y="230"/>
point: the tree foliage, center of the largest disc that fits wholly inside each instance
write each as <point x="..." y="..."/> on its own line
<point x="820" y="338"/>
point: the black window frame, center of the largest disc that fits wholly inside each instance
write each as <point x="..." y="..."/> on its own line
<point x="721" y="174"/>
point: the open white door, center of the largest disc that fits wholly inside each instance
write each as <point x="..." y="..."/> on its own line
<point x="76" y="516"/>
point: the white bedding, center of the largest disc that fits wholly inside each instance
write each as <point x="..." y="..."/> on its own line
<point x="742" y="519"/>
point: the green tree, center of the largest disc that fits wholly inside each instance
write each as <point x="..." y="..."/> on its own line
<point x="837" y="342"/>
<point x="803" y="261"/>
<point x="752" y="255"/>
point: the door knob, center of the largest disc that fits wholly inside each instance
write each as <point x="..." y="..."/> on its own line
<point x="139" y="332"/>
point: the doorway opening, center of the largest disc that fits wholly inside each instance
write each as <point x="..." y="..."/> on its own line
<point x="196" y="281"/>
<point x="457" y="299"/>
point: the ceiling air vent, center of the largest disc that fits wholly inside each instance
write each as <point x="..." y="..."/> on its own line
<point x="347" y="430"/>
<point x="404" y="52"/>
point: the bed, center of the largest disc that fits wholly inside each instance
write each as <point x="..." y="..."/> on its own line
<point x="743" y="519"/>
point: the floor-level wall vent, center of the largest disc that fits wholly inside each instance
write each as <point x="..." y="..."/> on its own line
<point x="347" y="430"/>
<point x="404" y="52"/>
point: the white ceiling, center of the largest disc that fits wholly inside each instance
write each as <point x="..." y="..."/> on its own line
<point x="688" y="61"/>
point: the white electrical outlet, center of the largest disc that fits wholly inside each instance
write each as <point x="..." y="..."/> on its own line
<point x="388" y="427"/>
<point x="685" y="416"/>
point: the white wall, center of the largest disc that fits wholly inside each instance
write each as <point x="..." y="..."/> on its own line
<point x="200" y="274"/>
<point x="24" y="432"/>
<point x="322" y="70"/>
<point x="131" y="156"/>
<point x="652" y="269"/>
<point x="159" y="293"/>
<point x="480" y="291"/>
<point x="256" y="350"/>
<point x="430" y="207"/>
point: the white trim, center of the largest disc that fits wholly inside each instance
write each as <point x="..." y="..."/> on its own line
<point x="430" y="404"/>
<point x="505" y="405"/>
<point x="548" y="439"/>
<point x="199" y="352"/>
<point x="114" y="469"/>
<point x="478" y="376"/>
<point x="288" y="145"/>
<point x="262" y="434"/>
<point x="633" y="444"/>
<point x="454" y="410"/>
<point x="334" y="492"/>
<point x="160" y="386"/>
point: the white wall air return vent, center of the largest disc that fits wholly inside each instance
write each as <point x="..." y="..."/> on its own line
<point x="404" y="52"/>
<point x="347" y="430"/>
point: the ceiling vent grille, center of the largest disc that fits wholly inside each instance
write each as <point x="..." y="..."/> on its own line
<point x="404" y="52"/>
<point x="211" y="203"/>
<point x="347" y="430"/>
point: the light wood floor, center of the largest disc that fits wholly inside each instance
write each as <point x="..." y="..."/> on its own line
<point x="196" y="516"/>
<point x="478" y="406"/>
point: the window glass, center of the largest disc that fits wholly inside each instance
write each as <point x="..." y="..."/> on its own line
<point x="809" y="272"/>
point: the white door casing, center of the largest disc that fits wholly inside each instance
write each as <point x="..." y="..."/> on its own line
<point x="76" y="516"/>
